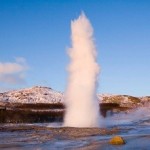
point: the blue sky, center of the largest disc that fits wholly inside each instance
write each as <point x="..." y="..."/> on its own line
<point x="35" y="34"/>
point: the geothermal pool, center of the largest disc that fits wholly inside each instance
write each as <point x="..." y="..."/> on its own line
<point x="134" y="127"/>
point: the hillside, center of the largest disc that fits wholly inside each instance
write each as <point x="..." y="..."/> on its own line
<point x="46" y="95"/>
<point x="35" y="94"/>
<point x="43" y="104"/>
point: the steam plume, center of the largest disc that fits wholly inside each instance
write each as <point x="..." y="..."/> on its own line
<point x="80" y="96"/>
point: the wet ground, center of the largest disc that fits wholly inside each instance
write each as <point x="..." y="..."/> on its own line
<point x="134" y="127"/>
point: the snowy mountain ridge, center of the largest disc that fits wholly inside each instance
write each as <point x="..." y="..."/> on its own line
<point x="39" y="94"/>
<point x="35" y="94"/>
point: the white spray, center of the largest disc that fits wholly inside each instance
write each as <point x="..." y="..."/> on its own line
<point x="82" y="107"/>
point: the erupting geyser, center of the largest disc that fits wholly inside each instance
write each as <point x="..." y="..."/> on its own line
<point x="82" y="107"/>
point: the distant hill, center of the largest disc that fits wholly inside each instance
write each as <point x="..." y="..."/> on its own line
<point x="43" y="104"/>
<point x="35" y="94"/>
<point x="39" y="94"/>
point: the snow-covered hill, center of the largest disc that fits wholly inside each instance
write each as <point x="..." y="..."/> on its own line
<point x="122" y="100"/>
<point x="40" y="94"/>
<point x="35" y="94"/>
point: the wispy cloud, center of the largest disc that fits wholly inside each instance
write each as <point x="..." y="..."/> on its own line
<point x="13" y="72"/>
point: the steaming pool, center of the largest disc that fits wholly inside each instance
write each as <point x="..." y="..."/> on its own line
<point x="134" y="127"/>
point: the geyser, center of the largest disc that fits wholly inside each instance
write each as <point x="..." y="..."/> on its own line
<point x="82" y="106"/>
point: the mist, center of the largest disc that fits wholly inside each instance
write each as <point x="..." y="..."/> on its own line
<point x="82" y="106"/>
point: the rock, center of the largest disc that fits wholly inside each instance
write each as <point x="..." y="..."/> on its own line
<point x="117" y="140"/>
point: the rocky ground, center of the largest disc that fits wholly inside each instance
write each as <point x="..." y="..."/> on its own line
<point x="30" y="136"/>
<point x="62" y="132"/>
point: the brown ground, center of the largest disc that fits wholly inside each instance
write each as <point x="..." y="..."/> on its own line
<point x="61" y="132"/>
<point x="42" y="113"/>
